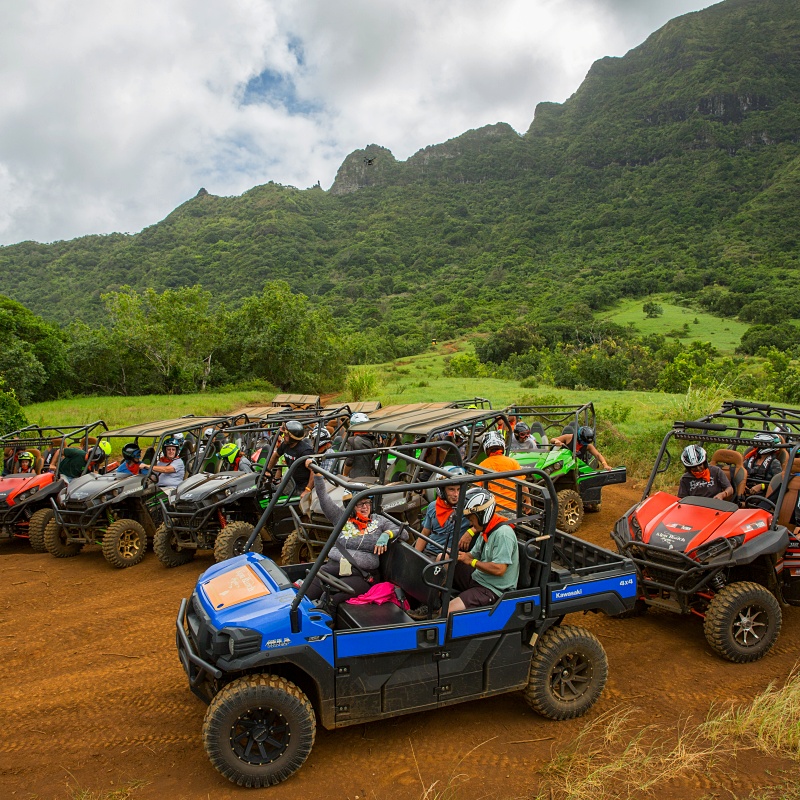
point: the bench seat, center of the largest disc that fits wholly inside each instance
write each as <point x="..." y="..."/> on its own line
<point x="370" y="616"/>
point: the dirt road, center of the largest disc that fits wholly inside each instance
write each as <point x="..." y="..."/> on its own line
<point x="93" y="696"/>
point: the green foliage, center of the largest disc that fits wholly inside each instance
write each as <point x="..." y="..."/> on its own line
<point x="783" y="337"/>
<point x="652" y="310"/>
<point x="464" y="365"/>
<point x="361" y="383"/>
<point x="12" y="417"/>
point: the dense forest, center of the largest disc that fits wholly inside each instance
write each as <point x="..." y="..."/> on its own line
<point x="672" y="169"/>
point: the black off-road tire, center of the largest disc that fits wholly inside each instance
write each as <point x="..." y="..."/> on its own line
<point x="568" y="672"/>
<point x="55" y="541"/>
<point x="124" y="543"/>
<point x="36" y="525"/>
<point x="295" y="551"/>
<point x="743" y="622"/>
<point x="570" y="511"/>
<point x="258" y="730"/>
<point x="169" y="553"/>
<point x="231" y="540"/>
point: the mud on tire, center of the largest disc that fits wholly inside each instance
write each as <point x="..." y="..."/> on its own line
<point x="570" y="511"/>
<point x="36" y="525"/>
<point x="568" y="672"/>
<point x="742" y="622"/>
<point x="55" y="541"/>
<point x="258" y="730"/>
<point x="231" y="541"/>
<point x="295" y="551"/>
<point x="124" y="543"/>
<point x="169" y="553"/>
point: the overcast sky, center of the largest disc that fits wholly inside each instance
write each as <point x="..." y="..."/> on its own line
<point x="113" y="113"/>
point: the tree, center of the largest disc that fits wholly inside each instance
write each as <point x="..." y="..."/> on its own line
<point x="12" y="417"/>
<point x="652" y="310"/>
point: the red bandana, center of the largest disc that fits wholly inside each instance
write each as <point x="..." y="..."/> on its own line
<point x="705" y="475"/>
<point x="360" y="521"/>
<point x="443" y="511"/>
<point x="494" y="522"/>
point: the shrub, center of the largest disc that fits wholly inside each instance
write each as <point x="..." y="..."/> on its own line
<point x="361" y="383"/>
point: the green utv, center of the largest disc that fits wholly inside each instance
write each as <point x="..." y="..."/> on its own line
<point x="578" y="481"/>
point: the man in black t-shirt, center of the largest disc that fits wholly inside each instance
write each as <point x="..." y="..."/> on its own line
<point x="292" y="447"/>
<point x="700" y="479"/>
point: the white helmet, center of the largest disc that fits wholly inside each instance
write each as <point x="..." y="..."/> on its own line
<point x="480" y="503"/>
<point x="693" y="456"/>
<point x="492" y="440"/>
<point x="766" y="442"/>
<point x="453" y="472"/>
<point x="358" y="418"/>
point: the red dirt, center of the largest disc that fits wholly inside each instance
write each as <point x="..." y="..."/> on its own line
<point x="94" y="697"/>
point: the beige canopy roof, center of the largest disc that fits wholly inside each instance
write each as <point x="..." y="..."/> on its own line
<point x="178" y="425"/>
<point x="259" y="412"/>
<point x="296" y="400"/>
<point x="425" y="421"/>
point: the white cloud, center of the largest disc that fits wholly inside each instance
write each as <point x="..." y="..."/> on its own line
<point x="114" y="113"/>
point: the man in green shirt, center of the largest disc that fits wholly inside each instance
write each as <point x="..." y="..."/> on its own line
<point x="491" y="566"/>
<point x="71" y="463"/>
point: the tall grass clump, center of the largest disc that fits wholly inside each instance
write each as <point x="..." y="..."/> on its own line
<point x="771" y="722"/>
<point x="361" y="383"/>
<point x="698" y="402"/>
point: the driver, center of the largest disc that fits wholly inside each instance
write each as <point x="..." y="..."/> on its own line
<point x="762" y="463"/>
<point x="584" y="446"/>
<point x="169" y="468"/>
<point x="24" y="463"/>
<point x="364" y="536"/>
<point x="700" y="479"/>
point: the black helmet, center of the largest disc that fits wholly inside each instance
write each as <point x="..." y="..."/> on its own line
<point x="295" y="429"/>
<point x="131" y="452"/>
<point x="99" y="452"/>
<point x="521" y="428"/>
<point x="585" y="434"/>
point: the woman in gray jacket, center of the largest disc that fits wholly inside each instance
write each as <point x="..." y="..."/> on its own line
<point x="364" y="536"/>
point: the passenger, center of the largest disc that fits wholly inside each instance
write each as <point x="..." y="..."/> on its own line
<point x="762" y="463"/>
<point x="131" y="460"/>
<point x="364" y="536"/>
<point x="24" y="463"/>
<point x="505" y="493"/>
<point x="97" y="455"/>
<point x="324" y="437"/>
<point x="700" y="479"/>
<point x="439" y="518"/>
<point x="359" y="466"/>
<point x="491" y="566"/>
<point x="170" y="468"/>
<point x="9" y="460"/>
<point x="293" y="447"/>
<point x="70" y="462"/>
<point x="584" y="447"/>
<point x="521" y="440"/>
<point x="233" y="459"/>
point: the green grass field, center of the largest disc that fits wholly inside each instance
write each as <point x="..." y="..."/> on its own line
<point x="724" y="334"/>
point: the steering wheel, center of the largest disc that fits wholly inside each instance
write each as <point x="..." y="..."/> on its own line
<point x="757" y="501"/>
<point x="334" y="582"/>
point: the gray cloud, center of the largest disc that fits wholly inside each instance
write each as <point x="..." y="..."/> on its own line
<point x="114" y="113"/>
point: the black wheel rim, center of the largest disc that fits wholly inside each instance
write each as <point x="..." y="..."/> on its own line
<point x="239" y="546"/>
<point x="750" y="626"/>
<point x="260" y="736"/>
<point x="571" y="676"/>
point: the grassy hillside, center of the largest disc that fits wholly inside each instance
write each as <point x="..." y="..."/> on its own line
<point x="724" y="334"/>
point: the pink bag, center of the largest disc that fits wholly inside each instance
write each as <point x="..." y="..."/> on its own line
<point x="380" y="593"/>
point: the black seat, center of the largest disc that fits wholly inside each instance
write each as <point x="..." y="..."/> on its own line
<point x="524" y="580"/>
<point x="369" y="616"/>
<point x="403" y="564"/>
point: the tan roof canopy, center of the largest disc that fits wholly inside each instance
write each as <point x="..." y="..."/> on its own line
<point x="179" y="425"/>
<point x="422" y="422"/>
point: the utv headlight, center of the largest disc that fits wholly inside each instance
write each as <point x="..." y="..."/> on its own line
<point x="711" y="550"/>
<point x="240" y="642"/>
<point x="62" y="496"/>
<point x="636" y="528"/>
<point x="21" y="498"/>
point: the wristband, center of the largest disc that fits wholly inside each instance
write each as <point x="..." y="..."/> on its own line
<point x="471" y="532"/>
<point x="474" y="563"/>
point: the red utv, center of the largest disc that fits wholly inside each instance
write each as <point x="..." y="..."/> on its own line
<point x="25" y="506"/>
<point x="732" y="564"/>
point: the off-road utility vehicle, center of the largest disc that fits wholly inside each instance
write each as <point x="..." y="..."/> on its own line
<point x="273" y="665"/>
<point x="579" y="482"/>
<point x="25" y="506"/>
<point x="730" y="566"/>
<point x="119" y="511"/>
<point x="218" y="510"/>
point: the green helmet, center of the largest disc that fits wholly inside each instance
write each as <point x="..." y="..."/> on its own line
<point x="25" y="456"/>
<point x="229" y="451"/>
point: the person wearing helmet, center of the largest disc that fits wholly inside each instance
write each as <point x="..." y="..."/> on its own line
<point x="364" y="538"/>
<point x="584" y="446"/>
<point x="491" y="566"/>
<point x="169" y="468"/>
<point x="322" y="437"/>
<point x="131" y="459"/>
<point x="69" y="463"/>
<point x="293" y="446"/>
<point x="700" y="478"/>
<point x="762" y="462"/>
<point x="233" y="459"/>
<point x="521" y="440"/>
<point x="439" y="518"/>
<point x="25" y="463"/>
<point x="505" y="493"/>
<point x="97" y="455"/>
<point x="359" y="466"/>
